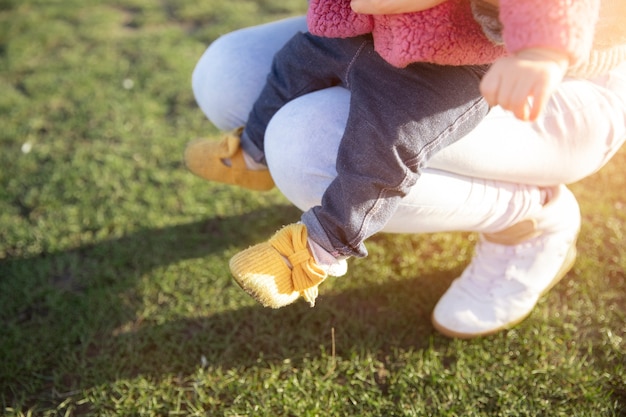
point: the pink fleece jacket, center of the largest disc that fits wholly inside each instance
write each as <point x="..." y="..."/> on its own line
<point x="448" y="34"/>
<point x="564" y="25"/>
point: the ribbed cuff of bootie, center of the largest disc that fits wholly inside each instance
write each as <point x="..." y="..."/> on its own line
<point x="206" y="159"/>
<point x="277" y="272"/>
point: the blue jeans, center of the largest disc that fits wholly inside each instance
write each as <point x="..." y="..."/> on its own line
<point x="399" y="117"/>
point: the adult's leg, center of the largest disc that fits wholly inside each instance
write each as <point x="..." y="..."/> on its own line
<point x="528" y="233"/>
<point x="232" y="71"/>
<point x="582" y="127"/>
<point x="304" y="166"/>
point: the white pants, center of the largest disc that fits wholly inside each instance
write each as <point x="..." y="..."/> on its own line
<point x="485" y="182"/>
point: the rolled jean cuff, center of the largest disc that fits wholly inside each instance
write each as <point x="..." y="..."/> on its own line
<point x="251" y="149"/>
<point x="317" y="234"/>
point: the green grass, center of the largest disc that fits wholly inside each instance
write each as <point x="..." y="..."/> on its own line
<point x="115" y="297"/>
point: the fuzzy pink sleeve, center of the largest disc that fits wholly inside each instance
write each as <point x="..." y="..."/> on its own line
<point x="335" y="19"/>
<point x="565" y="25"/>
<point x="446" y="34"/>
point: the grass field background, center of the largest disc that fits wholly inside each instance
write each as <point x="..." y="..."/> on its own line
<point x="115" y="297"/>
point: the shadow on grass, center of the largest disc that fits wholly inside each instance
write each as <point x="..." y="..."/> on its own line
<point x="66" y="314"/>
<point x="375" y="318"/>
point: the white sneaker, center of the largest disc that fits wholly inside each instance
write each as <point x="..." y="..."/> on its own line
<point x="511" y="270"/>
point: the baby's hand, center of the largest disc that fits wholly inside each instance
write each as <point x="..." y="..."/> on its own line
<point x="392" y="6"/>
<point x="524" y="82"/>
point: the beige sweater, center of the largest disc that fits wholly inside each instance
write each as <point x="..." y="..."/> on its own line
<point x="592" y="32"/>
<point x="609" y="42"/>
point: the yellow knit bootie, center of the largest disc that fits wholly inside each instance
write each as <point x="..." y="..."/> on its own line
<point x="205" y="158"/>
<point x="277" y="272"/>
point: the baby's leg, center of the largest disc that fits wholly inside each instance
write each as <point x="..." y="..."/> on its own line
<point x="305" y="64"/>
<point x="398" y="119"/>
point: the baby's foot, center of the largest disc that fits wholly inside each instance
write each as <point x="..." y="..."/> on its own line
<point x="224" y="161"/>
<point x="277" y="272"/>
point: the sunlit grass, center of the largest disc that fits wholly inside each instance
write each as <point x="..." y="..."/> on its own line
<point x="115" y="296"/>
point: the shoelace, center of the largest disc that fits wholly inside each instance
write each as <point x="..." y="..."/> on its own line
<point x="492" y="262"/>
